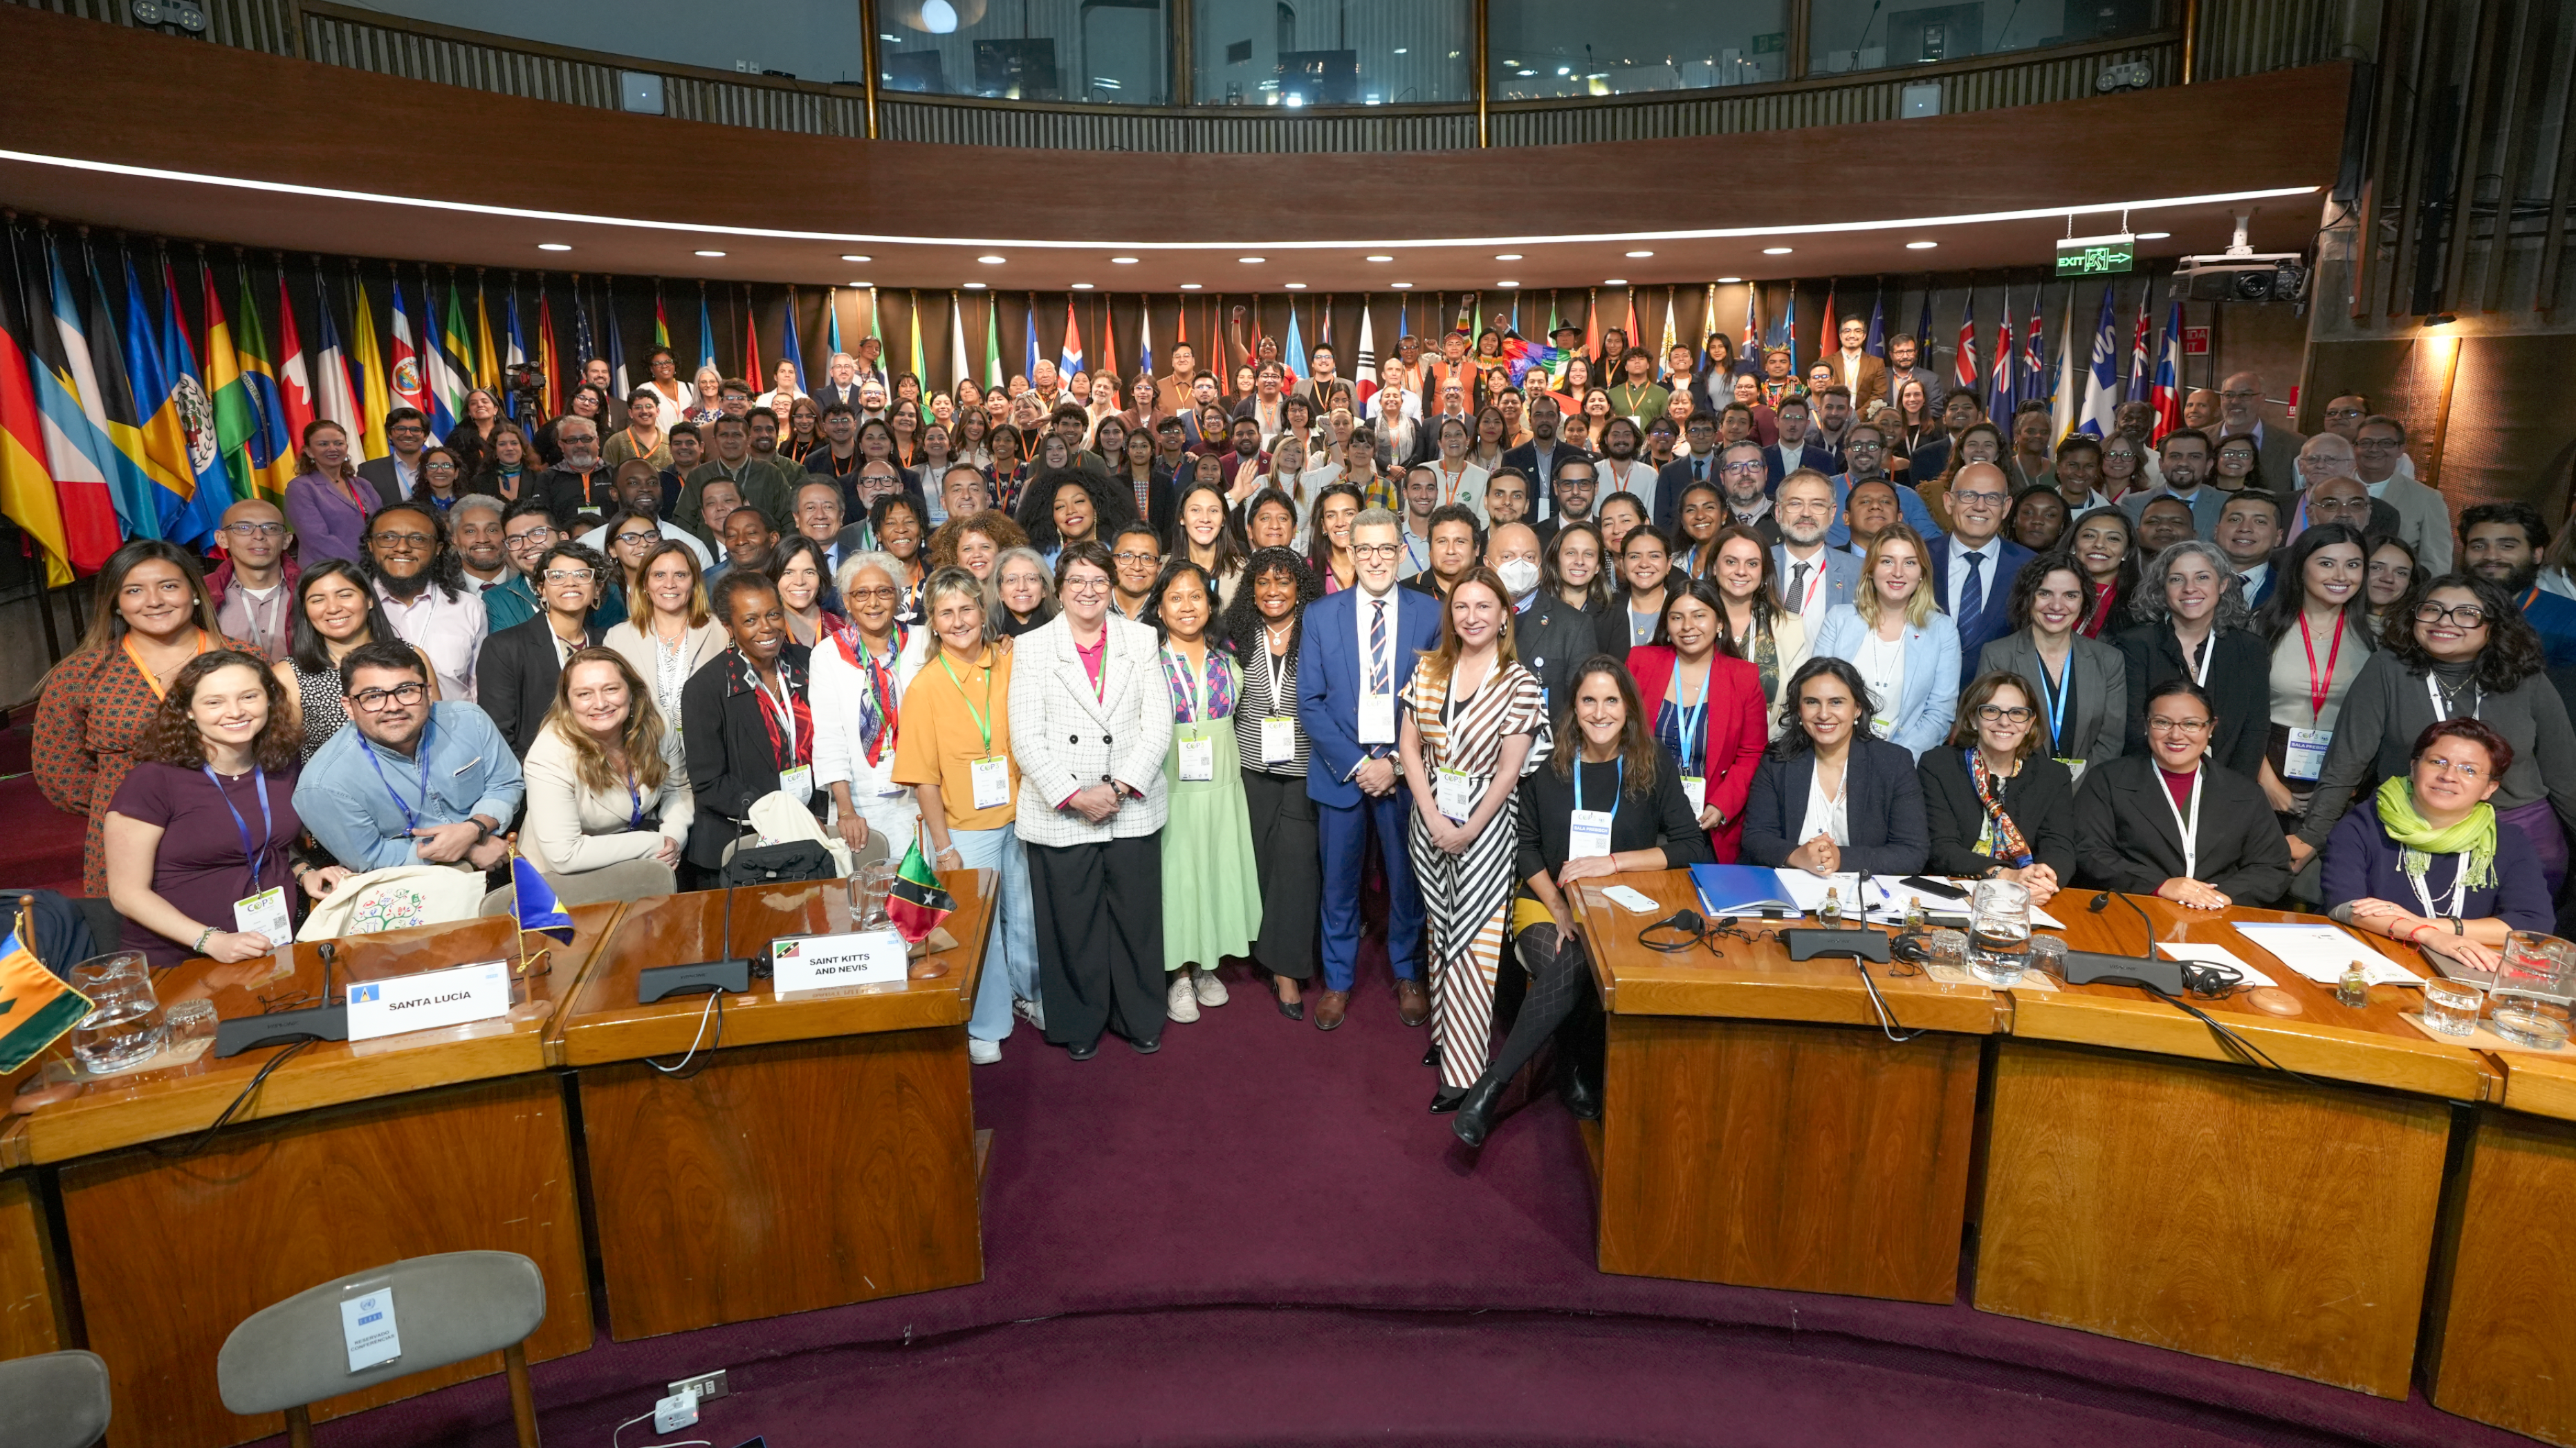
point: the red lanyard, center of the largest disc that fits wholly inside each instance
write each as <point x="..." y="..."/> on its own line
<point x="2318" y="688"/>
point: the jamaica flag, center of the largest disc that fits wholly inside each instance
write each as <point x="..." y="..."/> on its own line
<point x="36" y="1005"/>
<point x="916" y="903"/>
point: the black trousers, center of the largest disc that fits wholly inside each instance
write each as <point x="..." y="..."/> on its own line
<point x="1285" y="849"/>
<point x="1561" y="1005"/>
<point x="1099" y="912"/>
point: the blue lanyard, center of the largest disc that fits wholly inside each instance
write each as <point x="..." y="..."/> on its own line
<point x="1691" y="717"/>
<point x="1578" y="783"/>
<point x="2056" y="700"/>
<point x="635" y="797"/>
<point x="267" y="824"/>
<point x="411" y="821"/>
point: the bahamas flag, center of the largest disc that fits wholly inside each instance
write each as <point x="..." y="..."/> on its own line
<point x="107" y="399"/>
<point x="534" y="902"/>
<point x="36" y="1005"/>
<point x="158" y="427"/>
<point x="917" y="902"/>
<point x="440" y="345"/>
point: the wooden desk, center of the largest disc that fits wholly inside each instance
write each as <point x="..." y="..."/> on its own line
<point x="2143" y="1182"/>
<point x="818" y="1150"/>
<point x="1759" y="1128"/>
<point x="32" y="1318"/>
<point x="348" y="1157"/>
<point x="2505" y="1297"/>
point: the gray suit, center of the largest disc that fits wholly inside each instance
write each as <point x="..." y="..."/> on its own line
<point x="2097" y="717"/>
<point x="1842" y="575"/>
<point x="389" y="487"/>
<point x="2278" y="455"/>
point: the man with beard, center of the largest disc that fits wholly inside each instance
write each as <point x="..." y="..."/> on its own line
<point x="1621" y="470"/>
<point x="1865" y="459"/>
<point x="640" y="492"/>
<point x="1576" y="490"/>
<point x="1813" y="577"/>
<point x="1741" y="479"/>
<point x="2378" y="447"/>
<point x="1540" y="457"/>
<point x="420" y="585"/>
<point x="407" y="437"/>
<point x="2326" y="461"/>
<point x="2502" y="543"/>
<point x="477" y="521"/>
<point x="580" y="482"/>
<point x="760" y="484"/>
<point x="1833" y="417"/>
<point x="414" y="782"/>
<point x="2185" y="458"/>
<point x="1795" y="449"/>
<point x="1869" y="512"/>
<point x="1698" y="465"/>
<point x="1902" y="364"/>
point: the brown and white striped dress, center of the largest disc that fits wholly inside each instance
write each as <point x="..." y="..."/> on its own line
<point x="1466" y="898"/>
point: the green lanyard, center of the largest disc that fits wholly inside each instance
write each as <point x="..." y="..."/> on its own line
<point x="983" y="721"/>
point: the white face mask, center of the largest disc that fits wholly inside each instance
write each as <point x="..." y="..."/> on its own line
<point x="1520" y="575"/>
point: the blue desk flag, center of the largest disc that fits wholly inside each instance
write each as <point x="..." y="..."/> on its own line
<point x="533" y="900"/>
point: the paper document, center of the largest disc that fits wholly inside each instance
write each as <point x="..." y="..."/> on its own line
<point x="2321" y="952"/>
<point x="2217" y="955"/>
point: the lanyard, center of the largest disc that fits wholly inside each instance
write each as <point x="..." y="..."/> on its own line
<point x="1692" y="716"/>
<point x="2318" y="688"/>
<point x="2055" y="699"/>
<point x="2190" y="827"/>
<point x="983" y="721"/>
<point x="783" y="708"/>
<point x="252" y="849"/>
<point x="1273" y="664"/>
<point x="159" y="690"/>
<point x="635" y="798"/>
<point x="1449" y="486"/>
<point x="2459" y="891"/>
<point x="410" y="820"/>
<point x="1195" y="683"/>
<point x="2433" y="690"/>
<point x="1614" y="798"/>
<point x="2208" y="654"/>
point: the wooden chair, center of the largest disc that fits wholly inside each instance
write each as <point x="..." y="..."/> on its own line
<point x="447" y="1308"/>
<point x="54" y="1400"/>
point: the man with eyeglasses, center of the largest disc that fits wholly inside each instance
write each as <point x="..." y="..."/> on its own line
<point x="1576" y="491"/>
<point x="2344" y="416"/>
<point x="527" y="530"/>
<point x="1742" y="476"/>
<point x="254" y="587"/>
<point x="397" y="473"/>
<point x="1697" y="465"/>
<point x="1363" y="641"/>
<point x="1973" y="569"/>
<point x="476" y="523"/>
<point x="639" y="492"/>
<point x="2424" y="520"/>
<point x="514" y="680"/>
<point x="1865" y="460"/>
<point x="1814" y="577"/>
<point x="2503" y="544"/>
<point x="409" y="781"/>
<point x="578" y="482"/>
<point x="419" y="585"/>
<point x="761" y="486"/>
<point x="2339" y="497"/>
<point x="2240" y="410"/>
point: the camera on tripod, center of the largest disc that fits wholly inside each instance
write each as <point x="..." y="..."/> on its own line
<point x="526" y="383"/>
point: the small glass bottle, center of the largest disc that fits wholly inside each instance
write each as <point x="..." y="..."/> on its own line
<point x="1830" y="914"/>
<point x="2354" y="988"/>
<point x="1915" y="918"/>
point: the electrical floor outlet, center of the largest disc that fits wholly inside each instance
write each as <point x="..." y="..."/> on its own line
<point x="708" y="1386"/>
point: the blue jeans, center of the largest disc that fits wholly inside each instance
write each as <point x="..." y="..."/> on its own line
<point x="1011" y="958"/>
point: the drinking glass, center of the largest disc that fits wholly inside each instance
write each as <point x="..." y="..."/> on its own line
<point x="123" y="1026"/>
<point x="868" y="891"/>
<point x="2048" y="953"/>
<point x="1999" y="932"/>
<point x="1950" y="948"/>
<point x="2452" y="1008"/>
<point x="2535" y="983"/>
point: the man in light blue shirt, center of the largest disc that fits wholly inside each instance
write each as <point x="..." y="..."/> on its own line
<point x="408" y="781"/>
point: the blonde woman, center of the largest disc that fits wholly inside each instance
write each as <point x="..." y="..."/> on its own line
<point x="668" y="632"/>
<point x="609" y="802"/>
<point x="1907" y="653"/>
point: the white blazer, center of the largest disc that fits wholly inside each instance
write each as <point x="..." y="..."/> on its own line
<point x="1064" y="737"/>
<point x="835" y="690"/>
<point x="570" y="828"/>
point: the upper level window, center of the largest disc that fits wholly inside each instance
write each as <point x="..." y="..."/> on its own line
<point x="1541" y="49"/>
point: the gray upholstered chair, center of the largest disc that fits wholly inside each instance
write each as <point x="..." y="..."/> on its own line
<point x="447" y="1308"/>
<point x="54" y="1399"/>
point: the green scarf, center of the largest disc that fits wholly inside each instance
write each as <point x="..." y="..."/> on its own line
<point x="2476" y="835"/>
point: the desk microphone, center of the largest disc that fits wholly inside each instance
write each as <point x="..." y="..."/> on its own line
<point x="724" y="973"/>
<point x="324" y="1022"/>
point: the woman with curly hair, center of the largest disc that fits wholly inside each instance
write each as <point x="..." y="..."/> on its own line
<point x="1266" y="621"/>
<point x="976" y="543"/>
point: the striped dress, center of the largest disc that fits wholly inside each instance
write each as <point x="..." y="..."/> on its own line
<point x="1466" y="898"/>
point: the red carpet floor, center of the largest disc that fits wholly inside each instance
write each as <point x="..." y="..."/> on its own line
<point x="1260" y="1235"/>
<point x="40" y="846"/>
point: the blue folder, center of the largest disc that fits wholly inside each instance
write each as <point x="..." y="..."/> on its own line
<point x="1739" y="890"/>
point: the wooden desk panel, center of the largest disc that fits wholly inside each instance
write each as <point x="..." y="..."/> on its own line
<point x="172" y="1254"/>
<point x="1757" y="1126"/>
<point x="31" y="1288"/>
<point x="2216" y="1210"/>
<point x="2506" y="1300"/>
<point x="820" y="1149"/>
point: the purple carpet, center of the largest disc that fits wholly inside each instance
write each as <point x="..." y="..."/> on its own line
<point x="1260" y="1235"/>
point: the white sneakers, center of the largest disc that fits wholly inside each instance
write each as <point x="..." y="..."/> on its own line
<point x="1180" y="1002"/>
<point x="983" y="1053"/>
<point x="1211" y="990"/>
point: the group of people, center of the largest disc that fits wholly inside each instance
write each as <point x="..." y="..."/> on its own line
<point x="1196" y="680"/>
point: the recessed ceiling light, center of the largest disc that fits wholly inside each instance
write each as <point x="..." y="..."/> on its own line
<point x="1728" y="281"/>
<point x="710" y="253"/>
<point x="1507" y="284"/>
<point x="1775" y="251"/>
<point x="1507" y="256"/>
<point x="1921" y="245"/>
<point x="990" y="260"/>
<point x="1250" y="260"/>
<point x="1383" y="258"/>
<point x="1189" y="286"/>
<point x="554" y="246"/>
<point x="970" y="286"/>
<point x="1122" y="261"/>
<point x="853" y="256"/>
<point x="2153" y="235"/>
<point x="1641" y="253"/>
<point x="1296" y="286"/>
<point x="1400" y="286"/>
<point x="1082" y="286"/>
<point x="1615" y="282"/>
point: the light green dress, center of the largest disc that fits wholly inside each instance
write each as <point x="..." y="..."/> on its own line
<point x="1211" y="885"/>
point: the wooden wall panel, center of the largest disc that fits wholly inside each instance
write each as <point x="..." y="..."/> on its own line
<point x="31" y="1301"/>
<point x="2509" y="1315"/>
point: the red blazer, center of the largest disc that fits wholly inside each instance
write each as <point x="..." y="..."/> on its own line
<point x="1736" y="731"/>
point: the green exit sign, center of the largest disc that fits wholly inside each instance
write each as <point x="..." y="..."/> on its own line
<point x="1771" y="44"/>
<point x="2096" y="256"/>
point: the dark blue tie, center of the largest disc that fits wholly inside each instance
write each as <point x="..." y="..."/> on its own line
<point x="1972" y="593"/>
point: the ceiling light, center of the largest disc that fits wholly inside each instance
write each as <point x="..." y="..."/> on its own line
<point x="1082" y="286"/>
<point x="1189" y="286"/>
<point x="1921" y="245"/>
<point x="1615" y="282"/>
<point x="1728" y="281"/>
<point x="1249" y="260"/>
<point x="1641" y="253"/>
<point x="970" y="286"/>
<point x="1296" y="286"/>
<point x="848" y="256"/>
<point x="1122" y="261"/>
<point x="1384" y="258"/>
<point x="554" y="246"/>
<point x="1400" y="286"/>
<point x="2153" y="235"/>
<point x="1775" y="251"/>
<point x="1507" y="284"/>
<point x="1507" y="256"/>
<point x="710" y="253"/>
<point x="990" y="260"/>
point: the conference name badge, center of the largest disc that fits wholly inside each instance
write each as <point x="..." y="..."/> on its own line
<point x="1590" y="835"/>
<point x="1198" y="761"/>
<point x="367" y="1329"/>
<point x="1695" y="789"/>
<point x="1278" y="740"/>
<point x="990" y="780"/>
<point x="798" y="783"/>
<point x="829" y="962"/>
<point x="2307" y="755"/>
<point x="1454" y="792"/>
<point x="1377" y="718"/>
<point x="265" y="914"/>
<point x="428" y="1000"/>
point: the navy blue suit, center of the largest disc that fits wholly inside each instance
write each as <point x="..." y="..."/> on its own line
<point x="1994" y="619"/>
<point x="1328" y="705"/>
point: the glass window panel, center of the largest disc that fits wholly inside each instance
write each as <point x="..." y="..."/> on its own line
<point x="1104" y="52"/>
<point x="1545" y="48"/>
<point x="802" y="38"/>
<point x="1875" y="34"/>
<point x="1332" y="52"/>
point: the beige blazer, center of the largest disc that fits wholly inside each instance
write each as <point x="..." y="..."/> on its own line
<point x="569" y="829"/>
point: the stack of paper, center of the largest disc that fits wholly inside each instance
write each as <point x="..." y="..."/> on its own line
<point x="2322" y="952"/>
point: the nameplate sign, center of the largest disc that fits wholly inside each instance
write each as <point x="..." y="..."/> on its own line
<point x="428" y="1000"/>
<point x="827" y="962"/>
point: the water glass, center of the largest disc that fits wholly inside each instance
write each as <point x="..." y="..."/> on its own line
<point x="1999" y="932"/>
<point x="1950" y="948"/>
<point x="868" y="890"/>
<point x="2048" y="953"/>
<point x="2452" y="1008"/>
<point x="185" y="1022"/>
<point x="2535" y="983"/>
<point x="123" y="1027"/>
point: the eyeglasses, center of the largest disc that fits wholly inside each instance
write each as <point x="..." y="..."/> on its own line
<point x="373" y="701"/>
<point x="570" y="575"/>
<point x="1086" y="585"/>
<point x="1135" y="557"/>
<point x="438" y="467"/>
<point x="1739" y="470"/>
<point x="1376" y="550"/>
<point x="404" y="541"/>
<point x="2377" y="444"/>
<point x="531" y="540"/>
<point x="2240" y="396"/>
<point x="2344" y="414"/>
<point x="874" y="595"/>
<point x="2186" y="727"/>
<point x="638" y="536"/>
<point x="1868" y="447"/>
<point x="2466" y="615"/>
<point x="1988" y="498"/>
<point x="2236" y="455"/>
<point x="256" y="530"/>
<point x="2470" y="772"/>
<point x="1997" y="714"/>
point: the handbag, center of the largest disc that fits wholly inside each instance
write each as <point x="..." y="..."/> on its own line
<point x="780" y="864"/>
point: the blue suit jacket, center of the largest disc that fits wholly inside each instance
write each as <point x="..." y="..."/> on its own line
<point x="1928" y="699"/>
<point x="1776" y="463"/>
<point x="1328" y="682"/>
<point x="1992" y="621"/>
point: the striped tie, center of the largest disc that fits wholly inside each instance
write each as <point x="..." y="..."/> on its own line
<point x="1379" y="683"/>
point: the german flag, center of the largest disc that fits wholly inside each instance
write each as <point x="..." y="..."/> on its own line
<point x="916" y="902"/>
<point x="36" y="1005"/>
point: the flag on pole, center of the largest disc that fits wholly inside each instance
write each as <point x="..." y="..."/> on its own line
<point x="1876" y="346"/>
<point x="1030" y="368"/>
<point x="920" y="358"/>
<point x="1963" y="363"/>
<point x="2141" y="365"/>
<point x="2167" y="393"/>
<point x="1636" y="338"/>
<point x="412" y="365"/>
<point x="2003" y="382"/>
<point x="750" y="341"/>
<point x="1144" y="336"/>
<point x="1789" y="328"/>
<point x="37" y="1005"/>
<point x="239" y="432"/>
<point x="831" y="317"/>
<point x="334" y="396"/>
<point x="1672" y="334"/>
<point x="1295" y="355"/>
<point x="2102" y="379"/>
<point x="917" y="902"/>
<point x="617" y="377"/>
<point x="28" y="497"/>
<point x="196" y="408"/>
<point x="1364" y="366"/>
<point x="160" y="437"/>
<point x="442" y="340"/>
<point x="487" y="358"/>
<point x="791" y="347"/>
<point x="518" y="345"/>
<point x="1592" y="328"/>
<point x="368" y="358"/>
<point x="273" y="448"/>
<point x="2036" y="381"/>
<point x="295" y="386"/>
<point x="707" y="331"/>
<point x="2066" y="380"/>
<point x="582" y="348"/>
<point x="992" y="342"/>
<point x="1069" y="360"/>
<point x="662" y="319"/>
<point x="548" y="363"/>
<point x="75" y="451"/>
<point x="1828" y="333"/>
<point x="958" y="366"/>
<point x="533" y="902"/>
<point x="108" y="393"/>
<point x="1752" y="338"/>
